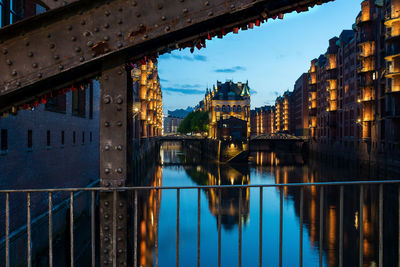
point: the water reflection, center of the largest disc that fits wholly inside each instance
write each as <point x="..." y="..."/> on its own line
<point x="158" y="216"/>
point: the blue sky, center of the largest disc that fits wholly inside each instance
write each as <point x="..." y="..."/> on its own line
<point x="270" y="57"/>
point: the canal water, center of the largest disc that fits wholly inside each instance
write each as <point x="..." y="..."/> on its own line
<point x="157" y="235"/>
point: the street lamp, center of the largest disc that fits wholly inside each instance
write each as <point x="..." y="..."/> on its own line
<point x="135" y="109"/>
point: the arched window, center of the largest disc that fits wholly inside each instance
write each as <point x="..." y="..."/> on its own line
<point x="239" y="109"/>
<point x="223" y="108"/>
<point x="229" y="108"/>
<point x="234" y="108"/>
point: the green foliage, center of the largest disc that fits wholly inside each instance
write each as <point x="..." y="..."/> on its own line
<point x="195" y="122"/>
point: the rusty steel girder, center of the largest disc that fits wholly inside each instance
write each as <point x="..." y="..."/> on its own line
<point x="71" y="43"/>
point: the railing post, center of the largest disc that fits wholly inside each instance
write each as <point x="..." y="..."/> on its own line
<point x="115" y="155"/>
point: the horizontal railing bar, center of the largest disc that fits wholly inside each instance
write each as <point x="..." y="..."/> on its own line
<point x="110" y="189"/>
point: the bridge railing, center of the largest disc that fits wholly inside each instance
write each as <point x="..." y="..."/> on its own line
<point x="94" y="192"/>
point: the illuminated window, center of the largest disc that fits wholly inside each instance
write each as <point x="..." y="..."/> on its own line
<point x="239" y="108"/>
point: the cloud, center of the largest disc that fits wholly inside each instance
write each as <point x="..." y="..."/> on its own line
<point x="163" y="80"/>
<point x="276" y="93"/>
<point x="187" y="58"/>
<point x="185" y="91"/>
<point x="200" y="58"/>
<point x="231" y="70"/>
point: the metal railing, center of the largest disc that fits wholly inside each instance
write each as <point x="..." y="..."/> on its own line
<point x="135" y="190"/>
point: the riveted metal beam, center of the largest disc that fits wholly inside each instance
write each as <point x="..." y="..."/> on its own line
<point x="115" y="155"/>
<point x="71" y="43"/>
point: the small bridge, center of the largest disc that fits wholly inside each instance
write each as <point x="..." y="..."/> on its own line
<point x="280" y="141"/>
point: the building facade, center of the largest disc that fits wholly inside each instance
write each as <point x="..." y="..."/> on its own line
<point x="224" y="101"/>
<point x="353" y="90"/>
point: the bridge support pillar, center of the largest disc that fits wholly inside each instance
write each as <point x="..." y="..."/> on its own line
<point x="116" y="129"/>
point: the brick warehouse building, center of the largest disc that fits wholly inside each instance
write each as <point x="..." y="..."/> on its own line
<point x="353" y="90"/>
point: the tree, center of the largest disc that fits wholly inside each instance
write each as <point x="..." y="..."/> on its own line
<point x="195" y="122"/>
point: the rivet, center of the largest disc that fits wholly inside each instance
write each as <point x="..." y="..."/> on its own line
<point x="106" y="38"/>
<point x="206" y="3"/>
<point x="120" y="45"/>
<point x="120" y="228"/>
<point x="9" y="62"/>
<point x="19" y="84"/>
<point x="145" y="36"/>
<point x="120" y="251"/>
<point x="120" y="21"/>
<point x="107" y="50"/>
<point x="73" y="38"/>
<point x="121" y="204"/>
<point x="108" y="184"/>
<point x="106" y="26"/>
<point x="27" y="43"/>
<point x="34" y="65"/>
<point x="120" y="183"/>
<point x="119" y="123"/>
<point x="119" y="239"/>
<point x="49" y="35"/>
<point x="120" y="100"/>
<point x="120" y="147"/>
<point x="90" y="44"/>
<point x="81" y="59"/>
<point x="14" y="73"/>
<point x="105" y="251"/>
<point x="107" y="13"/>
<point x="60" y="67"/>
<point x="83" y="22"/>
<point x="52" y="45"/>
<point x="120" y="34"/>
<point x="106" y="262"/>
<point x="106" y="203"/>
<point x="107" y="100"/>
<point x="106" y="228"/>
<point x="159" y="6"/>
<point x="210" y="13"/>
<point x="40" y="75"/>
<point x="107" y="147"/>
<point x="163" y="18"/>
<point x="86" y="34"/>
<point x="5" y="51"/>
<point x="138" y="14"/>
<point x="94" y="54"/>
<point x="232" y="6"/>
<point x="70" y="27"/>
<point x="189" y="20"/>
<point x="96" y="29"/>
<point x="107" y="170"/>
<point x="119" y="170"/>
<point x="167" y="28"/>
<point x="77" y="49"/>
<point x="107" y="124"/>
<point x="185" y="10"/>
<point x="106" y="238"/>
<point x="30" y="54"/>
<point x="134" y="3"/>
<point x="56" y="57"/>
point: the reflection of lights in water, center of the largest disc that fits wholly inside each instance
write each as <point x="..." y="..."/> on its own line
<point x="232" y="180"/>
<point x="232" y="145"/>
<point x="356" y="220"/>
<point x="152" y="218"/>
<point x="198" y="168"/>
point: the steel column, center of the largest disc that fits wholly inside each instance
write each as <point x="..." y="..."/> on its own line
<point x="115" y="149"/>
